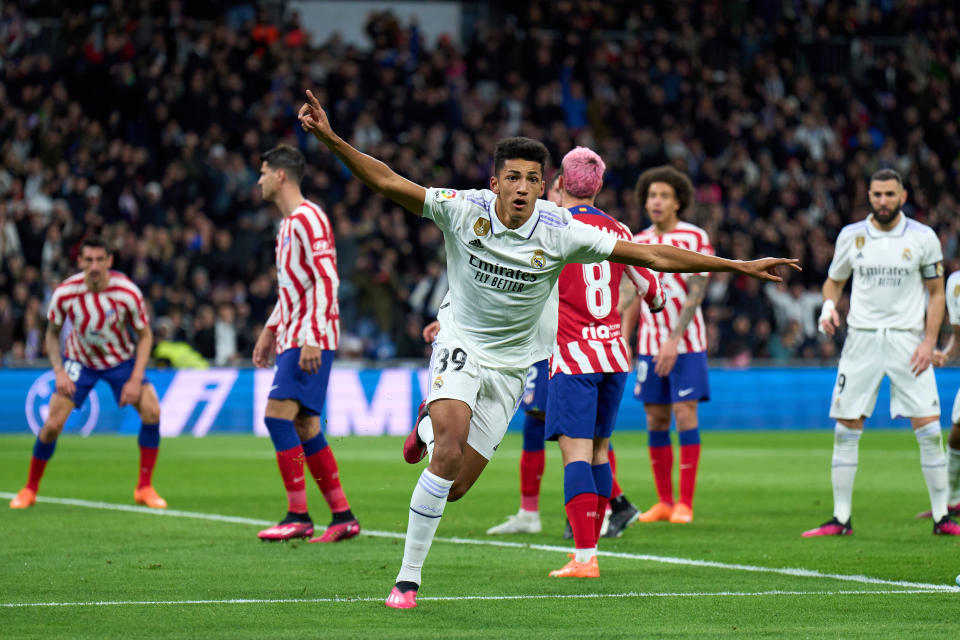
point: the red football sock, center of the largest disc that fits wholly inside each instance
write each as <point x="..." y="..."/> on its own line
<point x="582" y="513"/>
<point x="689" y="460"/>
<point x="148" y="458"/>
<point x="323" y="467"/>
<point x="616" y="492"/>
<point x="661" y="460"/>
<point x="36" y="472"/>
<point x="531" y="471"/>
<point x="290" y="462"/>
<point x="602" y="503"/>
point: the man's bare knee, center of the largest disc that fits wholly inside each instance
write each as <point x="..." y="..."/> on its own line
<point x="658" y="417"/>
<point x="150" y="415"/>
<point x="446" y="462"/>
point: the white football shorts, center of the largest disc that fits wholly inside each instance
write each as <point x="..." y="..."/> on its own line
<point x="867" y="357"/>
<point x="493" y="395"/>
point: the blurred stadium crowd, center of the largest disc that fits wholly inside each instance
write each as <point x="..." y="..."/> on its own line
<point x="144" y="122"/>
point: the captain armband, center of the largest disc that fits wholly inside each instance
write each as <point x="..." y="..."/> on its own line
<point x="930" y="271"/>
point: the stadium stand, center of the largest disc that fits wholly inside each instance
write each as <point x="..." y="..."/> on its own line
<point x="144" y="122"/>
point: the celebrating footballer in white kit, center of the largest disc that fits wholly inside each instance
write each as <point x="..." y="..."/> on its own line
<point x="505" y="249"/>
<point x="897" y="268"/>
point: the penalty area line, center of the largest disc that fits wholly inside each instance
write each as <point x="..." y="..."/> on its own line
<point x="689" y="562"/>
<point x="550" y="596"/>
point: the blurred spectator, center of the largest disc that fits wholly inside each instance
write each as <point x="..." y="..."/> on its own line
<point x="793" y="303"/>
<point x="225" y="337"/>
<point x="779" y="115"/>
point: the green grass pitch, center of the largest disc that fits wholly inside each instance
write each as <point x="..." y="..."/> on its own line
<point x="740" y="569"/>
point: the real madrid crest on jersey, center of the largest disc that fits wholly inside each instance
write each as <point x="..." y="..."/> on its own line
<point x="481" y="227"/>
<point x="956" y="291"/>
<point x="437" y="383"/>
<point x="538" y="261"/>
<point x="906" y="254"/>
<point x="860" y="241"/>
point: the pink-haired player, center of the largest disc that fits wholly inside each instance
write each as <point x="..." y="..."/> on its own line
<point x="590" y="363"/>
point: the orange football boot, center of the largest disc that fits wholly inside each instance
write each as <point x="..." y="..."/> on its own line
<point x="659" y="511"/>
<point x="682" y="514"/>
<point x="25" y="498"/>
<point x="574" y="569"/>
<point x="148" y="496"/>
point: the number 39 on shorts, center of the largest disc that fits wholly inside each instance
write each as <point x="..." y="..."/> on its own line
<point x="456" y="357"/>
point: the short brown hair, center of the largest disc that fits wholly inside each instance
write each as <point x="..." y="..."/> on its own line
<point x="886" y="174"/>
<point x="94" y="242"/>
<point x="680" y="182"/>
<point x="289" y="159"/>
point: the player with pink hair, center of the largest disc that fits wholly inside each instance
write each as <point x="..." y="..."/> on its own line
<point x="590" y="362"/>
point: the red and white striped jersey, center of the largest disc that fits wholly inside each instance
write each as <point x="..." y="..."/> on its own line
<point x="99" y="337"/>
<point x="654" y="329"/>
<point x="306" y="313"/>
<point x="589" y="339"/>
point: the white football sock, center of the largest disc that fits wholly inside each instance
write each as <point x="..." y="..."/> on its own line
<point x="426" y="506"/>
<point x="953" y="474"/>
<point x="846" y="454"/>
<point x="584" y="555"/>
<point x="934" y="465"/>
<point x="425" y="433"/>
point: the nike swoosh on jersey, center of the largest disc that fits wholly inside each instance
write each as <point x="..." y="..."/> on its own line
<point x="684" y="392"/>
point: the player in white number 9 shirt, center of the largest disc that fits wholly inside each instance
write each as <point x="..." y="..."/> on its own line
<point x="897" y="268"/>
<point x="505" y="249"/>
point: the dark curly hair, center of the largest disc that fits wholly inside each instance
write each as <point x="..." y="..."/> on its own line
<point x="682" y="187"/>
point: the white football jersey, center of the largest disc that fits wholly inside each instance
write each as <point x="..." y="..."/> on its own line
<point x="502" y="302"/>
<point x="888" y="270"/>
<point x="953" y="298"/>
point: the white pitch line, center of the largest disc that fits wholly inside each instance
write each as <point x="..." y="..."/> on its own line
<point x="549" y="596"/>
<point x="786" y="571"/>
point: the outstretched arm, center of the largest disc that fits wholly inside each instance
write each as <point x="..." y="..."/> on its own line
<point x="373" y="173"/>
<point x="667" y="258"/>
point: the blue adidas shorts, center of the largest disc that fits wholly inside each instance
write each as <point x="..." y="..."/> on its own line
<point x="86" y="378"/>
<point x="583" y="405"/>
<point x="687" y="381"/>
<point x="290" y="382"/>
<point x="535" y="392"/>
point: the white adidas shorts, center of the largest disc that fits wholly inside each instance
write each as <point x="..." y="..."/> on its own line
<point x="867" y="357"/>
<point x="493" y="395"/>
